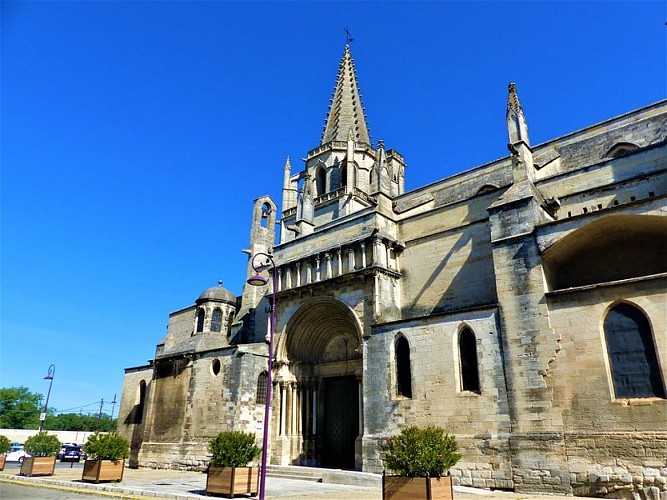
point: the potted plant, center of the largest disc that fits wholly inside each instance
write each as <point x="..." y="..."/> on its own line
<point x="421" y="459"/>
<point x="43" y="448"/>
<point x="105" y="457"/>
<point x="228" y="472"/>
<point x="5" y="446"/>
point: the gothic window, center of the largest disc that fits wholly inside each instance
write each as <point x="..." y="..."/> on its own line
<point x="403" y="372"/>
<point x="260" y="397"/>
<point x="633" y="362"/>
<point x="321" y="182"/>
<point x="468" y="361"/>
<point x="200" y="320"/>
<point x="343" y="175"/>
<point x="216" y="320"/>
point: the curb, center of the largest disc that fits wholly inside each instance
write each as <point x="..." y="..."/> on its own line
<point x="109" y="490"/>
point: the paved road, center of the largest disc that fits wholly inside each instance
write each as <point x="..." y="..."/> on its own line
<point x="10" y="491"/>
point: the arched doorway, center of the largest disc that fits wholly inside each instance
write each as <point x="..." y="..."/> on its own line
<point x="321" y="355"/>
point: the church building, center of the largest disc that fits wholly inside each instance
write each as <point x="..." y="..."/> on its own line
<point x="521" y="305"/>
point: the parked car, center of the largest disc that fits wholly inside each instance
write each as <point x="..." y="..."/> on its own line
<point x="71" y="454"/>
<point x="17" y="453"/>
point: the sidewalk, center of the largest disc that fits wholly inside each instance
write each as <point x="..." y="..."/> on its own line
<point x="182" y="485"/>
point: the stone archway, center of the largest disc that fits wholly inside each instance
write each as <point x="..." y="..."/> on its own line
<point x="321" y="352"/>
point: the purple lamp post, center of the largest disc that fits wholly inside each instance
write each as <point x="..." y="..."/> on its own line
<point x="42" y="417"/>
<point x="259" y="280"/>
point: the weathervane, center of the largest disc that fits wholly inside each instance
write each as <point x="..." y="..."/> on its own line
<point x="349" y="36"/>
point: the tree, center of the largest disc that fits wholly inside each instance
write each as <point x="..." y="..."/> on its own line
<point x="19" y="408"/>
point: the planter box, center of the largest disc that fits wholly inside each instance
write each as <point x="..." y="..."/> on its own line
<point x="2" y="461"/>
<point x="232" y="481"/>
<point x="417" y="488"/>
<point x="103" y="470"/>
<point x="38" y="466"/>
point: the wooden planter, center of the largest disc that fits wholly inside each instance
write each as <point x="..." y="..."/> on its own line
<point x="38" y="466"/>
<point x="232" y="481"/>
<point x="417" y="488"/>
<point x="2" y="461"/>
<point x="103" y="470"/>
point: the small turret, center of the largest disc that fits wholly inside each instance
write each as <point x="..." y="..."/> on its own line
<point x="523" y="167"/>
<point x="289" y="187"/>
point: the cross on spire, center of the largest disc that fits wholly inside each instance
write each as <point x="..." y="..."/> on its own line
<point x="348" y="35"/>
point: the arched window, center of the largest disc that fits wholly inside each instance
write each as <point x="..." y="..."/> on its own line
<point x="468" y="361"/>
<point x="321" y="182"/>
<point x="200" y="320"/>
<point x="260" y="397"/>
<point x="403" y="372"/>
<point x="266" y="212"/>
<point x="633" y="362"/>
<point x="216" y="320"/>
<point x="343" y="175"/>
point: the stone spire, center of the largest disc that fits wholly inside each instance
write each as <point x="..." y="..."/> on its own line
<point x="346" y="112"/>
<point x="516" y="121"/>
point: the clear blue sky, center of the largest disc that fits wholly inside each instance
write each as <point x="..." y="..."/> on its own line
<point x="135" y="136"/>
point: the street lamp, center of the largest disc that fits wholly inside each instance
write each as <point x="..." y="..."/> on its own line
<point x="49" y="377"/>
<point x="259" y="280"/>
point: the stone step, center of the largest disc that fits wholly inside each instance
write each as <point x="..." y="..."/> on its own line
<point x="318" y="474"/>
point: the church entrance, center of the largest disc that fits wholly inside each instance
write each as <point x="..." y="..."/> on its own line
<point x="341" y="422"/>
<point x="320" y="387"/>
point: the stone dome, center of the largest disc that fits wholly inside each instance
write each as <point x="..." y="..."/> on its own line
<point x="217" y="294"/>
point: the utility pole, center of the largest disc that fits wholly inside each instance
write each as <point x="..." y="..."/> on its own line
<point x="113" y="407"/>
<point x="99" y="416"/>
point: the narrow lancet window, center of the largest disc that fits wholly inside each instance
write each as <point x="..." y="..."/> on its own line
<point x="200" y="320"/>
<point x="633" y="363"/>
<point x="216" y="320"/>
<point x="260" y="397"/>
<point x="468" y="360"/>
<point x="403" y="371"/>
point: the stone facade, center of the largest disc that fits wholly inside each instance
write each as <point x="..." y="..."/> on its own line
<point x="521" y="305"/>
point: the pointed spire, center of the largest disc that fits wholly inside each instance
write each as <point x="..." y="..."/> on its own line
<point x="516" y="121"/>
<point x="346" y="114"/>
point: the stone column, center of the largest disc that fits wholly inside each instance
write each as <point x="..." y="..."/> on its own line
<point x="339" y="259"/>
<point x="283" y="407"/>
<point x="298" y="274"/>
<point x="350" y="257"/>
<point x="294" y="409"/>
<point x="361" y="406"/>
<point x="317" y="268"/>
<point x="329" y="274"/>
<point x="314" y="411"/>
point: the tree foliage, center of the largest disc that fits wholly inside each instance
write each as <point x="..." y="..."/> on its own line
<point x="5" y="444"/>
<point x="77" y="422"/>
<point x="19" y="408"/>
<point x="233" y="449"/>
<point x="42" y="445"/>
<point x="421" y="452"/>
<point x="110" y="446"/>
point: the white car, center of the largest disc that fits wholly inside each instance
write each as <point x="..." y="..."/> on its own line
<point x="16" y="454"/>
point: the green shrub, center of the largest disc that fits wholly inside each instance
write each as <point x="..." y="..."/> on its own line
<point x="418" y="452"/>
<point x="111" y="446"/>
<point x="5" y="444"/>
<point x="42" y="445"/>
<point x="233" y="449"/>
